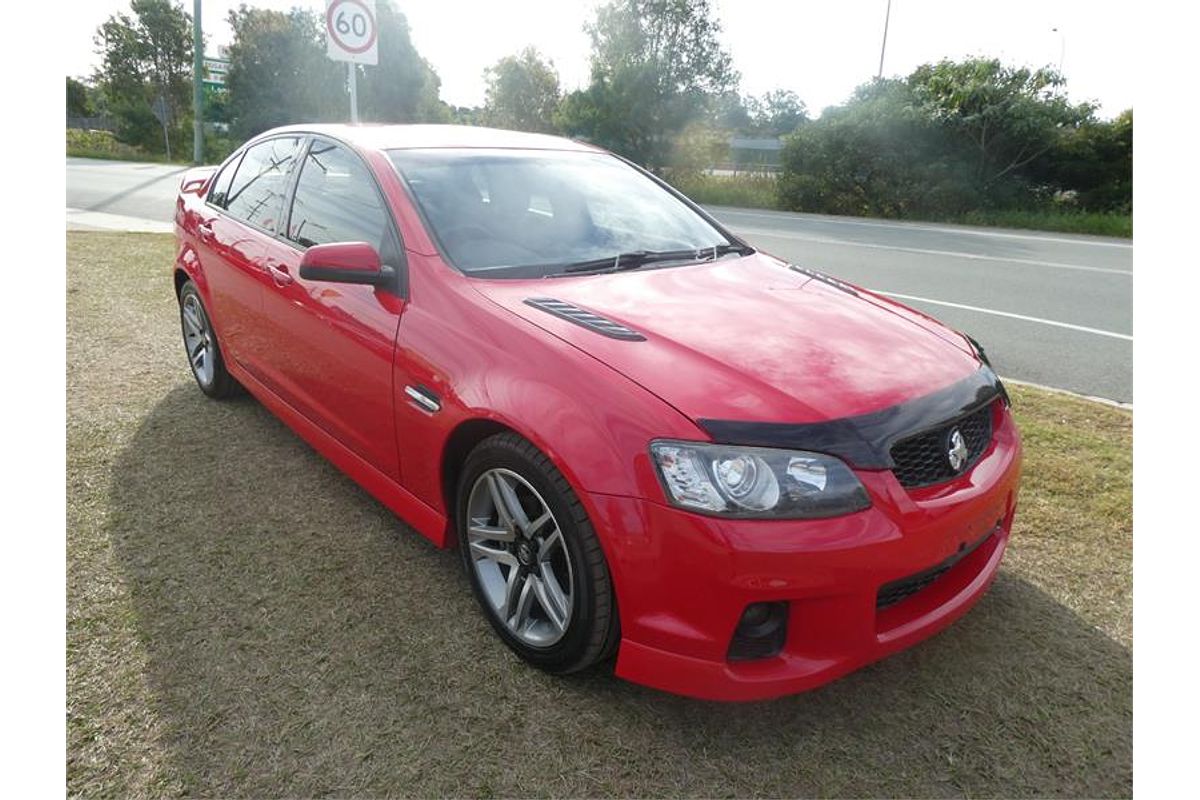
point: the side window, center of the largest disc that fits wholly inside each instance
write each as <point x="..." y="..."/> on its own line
<point x="336" y="201"/>
<point x="220" y="188"/>
<point x="256" y="193"/>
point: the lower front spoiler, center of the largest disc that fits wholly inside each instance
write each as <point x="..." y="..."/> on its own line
<point x="897" y="627"/>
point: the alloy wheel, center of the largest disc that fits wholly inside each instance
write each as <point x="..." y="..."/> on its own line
<point x="197" y="338"/>
<point x="520" y="557"/>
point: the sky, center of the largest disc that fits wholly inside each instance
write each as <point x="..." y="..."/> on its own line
<point x="820" y="49"/>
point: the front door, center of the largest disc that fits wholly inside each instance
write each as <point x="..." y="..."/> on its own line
<point x="331" y="344"/>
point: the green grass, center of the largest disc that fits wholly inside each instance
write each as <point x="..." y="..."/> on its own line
<point x="758" y="191"/>
<point x="242" y="620"/>
<point x="102" y="144"/>
<point x="1090" y="222"/>
<point x="745" y="191"/>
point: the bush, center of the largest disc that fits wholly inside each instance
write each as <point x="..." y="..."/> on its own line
<point x="104" y="144"/>
<point x="746" y="191"/>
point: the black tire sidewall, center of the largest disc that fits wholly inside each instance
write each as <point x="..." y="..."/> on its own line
<point x="565" y="654"/>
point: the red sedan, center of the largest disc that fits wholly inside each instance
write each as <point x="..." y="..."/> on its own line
<point x="741" y="476"/>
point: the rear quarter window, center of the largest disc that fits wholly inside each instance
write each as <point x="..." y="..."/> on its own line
<point x="256" y="193"/>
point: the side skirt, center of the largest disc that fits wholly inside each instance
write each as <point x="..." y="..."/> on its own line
<point x="427" y="521"/>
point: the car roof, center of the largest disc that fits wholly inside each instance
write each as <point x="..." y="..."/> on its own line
<point x="398" y="137"/>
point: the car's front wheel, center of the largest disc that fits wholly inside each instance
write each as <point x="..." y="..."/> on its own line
<point x="533" y="559"/>
<point x="201" y="345"/>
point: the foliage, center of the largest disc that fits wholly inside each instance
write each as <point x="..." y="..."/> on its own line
<point x="104" y="144"/>
<point x="79" y="100"/>
<point x="279" y="73"/>
<point x="656" y="66"/>
<point x="1008" y="116"/>
<point x="744" y="191"/>
<point x="776" y="113"/>
<point x="958" y="138"/>
<point x="874" y="156"/>
<point x="1093" y="163"/>
<point x="403" y="87"/>
<point x="522" y="93"/>
<point x="146" y="59"/>
<point x="1095" y="223"/>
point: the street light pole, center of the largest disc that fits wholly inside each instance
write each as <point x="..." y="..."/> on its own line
<point x="1062" y="48"/>
<point x="883" y="47"/>
<point x="197" y="87"/>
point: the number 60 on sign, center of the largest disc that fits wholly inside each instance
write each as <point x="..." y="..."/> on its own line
<point x="351" y="31"/>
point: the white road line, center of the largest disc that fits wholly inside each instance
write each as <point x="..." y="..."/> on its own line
<point x="922" y="251"/>
<point x="918" y="227"/>
<point x="1009" y="314"/>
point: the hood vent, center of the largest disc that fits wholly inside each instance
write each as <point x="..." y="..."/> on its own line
<point x="584" y="318"/>
<point x="821" y="276"/>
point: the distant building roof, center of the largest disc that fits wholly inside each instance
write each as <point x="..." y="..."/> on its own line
<point x="743" y="143"/>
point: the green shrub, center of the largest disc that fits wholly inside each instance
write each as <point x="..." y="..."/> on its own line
<point x="103" y="144"/>
<point x="746" y="191"/>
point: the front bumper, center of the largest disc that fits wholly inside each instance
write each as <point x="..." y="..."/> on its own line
<point x="683" y="580"/>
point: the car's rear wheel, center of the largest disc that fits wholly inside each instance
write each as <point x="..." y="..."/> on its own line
<point x="201" y="345"/>
<point x="533" y="559"/>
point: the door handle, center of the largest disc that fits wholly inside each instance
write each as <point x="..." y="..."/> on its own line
<point x="279" y="274"/>
<point x="205" y="229"/>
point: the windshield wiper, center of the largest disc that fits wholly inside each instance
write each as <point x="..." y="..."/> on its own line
<point x="639" y="258"/>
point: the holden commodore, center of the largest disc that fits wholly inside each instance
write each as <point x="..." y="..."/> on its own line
<point x="647" y="439"/>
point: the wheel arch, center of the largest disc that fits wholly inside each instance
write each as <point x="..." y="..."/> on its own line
<point x="459" y="444"/>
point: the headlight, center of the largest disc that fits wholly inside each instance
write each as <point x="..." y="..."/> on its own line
<point x="756" y="481"/>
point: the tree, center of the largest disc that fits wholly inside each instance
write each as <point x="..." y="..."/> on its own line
<point x="1092" y="165"/>
<point x="279" y="73"/>
<point x="79" y="103"/>
<point x="403" y="87"/>
<point x="777" y="113"/>
<point x="875" y="156"/>
<point x="656" y="66"/>
<point x="522" y="93"/>
<point x="146" y="63"/>
<point x="1008" y="116"/>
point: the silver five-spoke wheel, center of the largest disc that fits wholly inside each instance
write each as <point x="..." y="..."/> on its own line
<point x="520" y="558"/>
<point x="197" y="337"/>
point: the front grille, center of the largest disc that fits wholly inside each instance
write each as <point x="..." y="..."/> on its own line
<point x="894" y="592"/>
<point x="923" y="459"/>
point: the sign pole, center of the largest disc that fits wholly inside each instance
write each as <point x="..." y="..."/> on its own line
<point x="352" y="35"/>
<point x="197" y="88"/>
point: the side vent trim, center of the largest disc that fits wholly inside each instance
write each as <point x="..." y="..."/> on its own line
<point x="584" y="318"/>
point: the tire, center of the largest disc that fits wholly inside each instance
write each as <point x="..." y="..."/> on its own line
<point x="590" y="629"/>
<point x="201" y="346"/>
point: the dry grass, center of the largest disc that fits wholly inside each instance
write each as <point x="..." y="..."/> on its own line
<point x="244" y="621"/>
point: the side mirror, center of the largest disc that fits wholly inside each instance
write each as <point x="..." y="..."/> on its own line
<point x="345" y="262"/>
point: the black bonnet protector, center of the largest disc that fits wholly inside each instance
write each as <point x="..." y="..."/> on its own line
<point x="865" y="441"/>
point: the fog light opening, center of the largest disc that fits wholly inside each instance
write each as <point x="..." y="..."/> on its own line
<point x="760" y="633"/>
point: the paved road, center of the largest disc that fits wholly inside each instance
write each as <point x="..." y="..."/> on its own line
<point x="1053" y="309"/>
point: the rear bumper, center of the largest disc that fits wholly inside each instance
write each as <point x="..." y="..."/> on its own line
<point x="683" y="580"/>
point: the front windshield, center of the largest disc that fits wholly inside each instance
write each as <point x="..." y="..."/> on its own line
<point x="530" y="213"/>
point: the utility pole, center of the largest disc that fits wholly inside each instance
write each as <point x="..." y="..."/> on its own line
<point x="883" y="47"/>
<point x="198" y="87"/>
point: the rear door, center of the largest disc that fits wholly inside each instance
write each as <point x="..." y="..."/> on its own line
<point x="331" y="344"/>
<point x="243" y="210"/>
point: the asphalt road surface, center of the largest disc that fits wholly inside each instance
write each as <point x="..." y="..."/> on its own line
<point x="1053" y="309"/>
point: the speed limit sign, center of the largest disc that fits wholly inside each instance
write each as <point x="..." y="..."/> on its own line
<point x="351" y="33"/>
